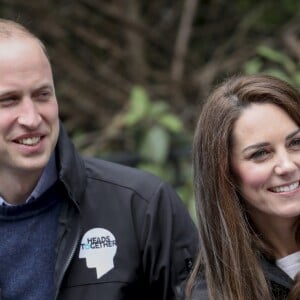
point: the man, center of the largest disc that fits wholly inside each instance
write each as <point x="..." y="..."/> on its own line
<point x="74" y="228"/>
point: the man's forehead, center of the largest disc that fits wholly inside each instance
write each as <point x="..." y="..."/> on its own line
<point x="20" y="37"/>
<point x="22" y="61"/>
<point x="20" y="43"/>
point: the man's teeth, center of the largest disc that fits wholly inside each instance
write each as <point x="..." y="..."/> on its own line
<point x="29" y="141"/>
<point x="286" y="188"/>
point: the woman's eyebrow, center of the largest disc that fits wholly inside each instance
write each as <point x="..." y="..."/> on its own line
<point x="255" y="146"/>
<point x="291" y="135"/>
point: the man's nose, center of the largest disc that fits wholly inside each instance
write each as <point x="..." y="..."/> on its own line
<point x="29" y="115"/>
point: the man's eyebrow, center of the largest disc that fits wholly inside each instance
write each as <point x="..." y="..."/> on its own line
<point x="8" y="93"/>
<point x="45" y="86"/>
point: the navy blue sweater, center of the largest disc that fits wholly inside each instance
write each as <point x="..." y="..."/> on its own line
<point x="27" y="248"/>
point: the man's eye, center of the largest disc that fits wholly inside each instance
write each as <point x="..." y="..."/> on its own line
<point x="8" y="101"/>
<point x="44" y="95"/>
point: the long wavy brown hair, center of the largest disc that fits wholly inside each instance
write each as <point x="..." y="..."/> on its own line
<point x="230" y="247"/>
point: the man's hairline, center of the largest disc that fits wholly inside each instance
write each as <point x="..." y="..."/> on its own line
<point x="16" y="33"/>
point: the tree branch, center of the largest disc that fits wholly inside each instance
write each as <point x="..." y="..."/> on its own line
<point x="182" y="40"/>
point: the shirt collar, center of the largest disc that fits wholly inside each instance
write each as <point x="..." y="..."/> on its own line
<point x="48" y="178"/>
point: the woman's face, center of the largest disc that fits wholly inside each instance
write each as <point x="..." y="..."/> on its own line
<point x="266" y="161"/>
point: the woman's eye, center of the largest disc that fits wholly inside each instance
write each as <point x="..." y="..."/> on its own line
<point x="295" y="142"/>
<point x="259" y="154"/>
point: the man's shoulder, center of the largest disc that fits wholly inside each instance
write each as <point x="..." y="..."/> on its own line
<point x="122" y="176"/>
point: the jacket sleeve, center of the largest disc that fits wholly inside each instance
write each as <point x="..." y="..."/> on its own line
<point x="169" y="243"/>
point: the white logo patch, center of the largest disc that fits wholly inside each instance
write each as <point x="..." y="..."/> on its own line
<point x="98" y="246"/>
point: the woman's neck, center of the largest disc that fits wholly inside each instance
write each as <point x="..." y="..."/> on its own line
<point x="279" y="233"/>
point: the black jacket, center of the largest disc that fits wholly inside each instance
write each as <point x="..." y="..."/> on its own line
<point x="280" y="283"/>
<point x="133" y="229"/>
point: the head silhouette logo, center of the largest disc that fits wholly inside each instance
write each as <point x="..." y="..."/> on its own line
<point x="98" y="246"/>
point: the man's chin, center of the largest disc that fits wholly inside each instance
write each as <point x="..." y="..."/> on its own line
<point x="28" y="165"/>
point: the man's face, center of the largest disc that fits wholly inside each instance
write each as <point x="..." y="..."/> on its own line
<point x="29" y="122"/>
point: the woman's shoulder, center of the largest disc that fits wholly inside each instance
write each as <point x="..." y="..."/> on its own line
<point x="199" y="290"/>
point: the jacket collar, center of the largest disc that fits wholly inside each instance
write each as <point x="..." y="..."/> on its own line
<point x="70" y="166"/>
<point x="275" y="274"/>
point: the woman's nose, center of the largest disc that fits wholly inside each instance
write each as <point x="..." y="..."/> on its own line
<point x="285" y="165"/>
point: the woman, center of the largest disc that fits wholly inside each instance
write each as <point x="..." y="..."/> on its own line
<point x="246" y="157"/>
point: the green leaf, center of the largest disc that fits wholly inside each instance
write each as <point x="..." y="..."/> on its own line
<point x="158" y="108"/>
<point x="155" y="145"/>
<point x="296" y="79"/>
<point x="171" y="122"/>
<point x="277" y="56"/>
<point x="138" y="106"/>
<point x="253" y="66"/>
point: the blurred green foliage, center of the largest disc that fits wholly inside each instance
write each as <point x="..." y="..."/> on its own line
<point x="158" y="136"/>
<point x="276" y="63"/>
<point x="153" y="127"/>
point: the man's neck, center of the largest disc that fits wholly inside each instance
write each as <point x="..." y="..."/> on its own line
<point x="18" y="188"/>
<point x="15" y="188"/>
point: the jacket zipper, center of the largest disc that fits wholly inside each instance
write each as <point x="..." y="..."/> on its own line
<point x="67" y="262"/>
